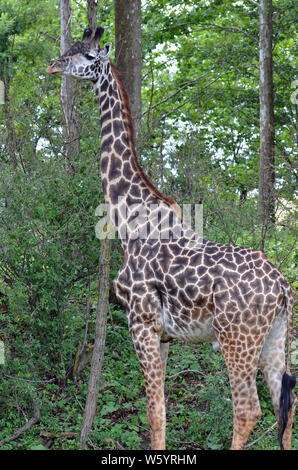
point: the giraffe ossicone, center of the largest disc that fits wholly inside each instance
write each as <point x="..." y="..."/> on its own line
<point x="173" y="287"/>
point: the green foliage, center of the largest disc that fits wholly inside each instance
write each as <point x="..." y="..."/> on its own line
<point x="47" y="232"/>
<point x="200" y="144"/>
<point x="199" y="407"/>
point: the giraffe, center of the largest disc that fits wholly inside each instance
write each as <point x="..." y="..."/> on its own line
<point x="175" y="284"/>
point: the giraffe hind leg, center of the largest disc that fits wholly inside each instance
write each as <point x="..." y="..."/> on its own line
<point x="246" y="406"/>
<point x="279" y="382"/>
<point x="242" y="370"/>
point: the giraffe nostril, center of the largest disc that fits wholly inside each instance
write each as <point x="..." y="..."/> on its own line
<point x="55" y="67"/>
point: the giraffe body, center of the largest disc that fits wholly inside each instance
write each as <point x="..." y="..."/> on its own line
<point x="174" y="284"/>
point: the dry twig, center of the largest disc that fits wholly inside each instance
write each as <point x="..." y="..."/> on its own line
<point x="35" y="418"/>
<point x="261" y="437"/>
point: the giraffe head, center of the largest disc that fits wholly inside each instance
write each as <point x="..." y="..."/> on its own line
<point x="85" y="59"/>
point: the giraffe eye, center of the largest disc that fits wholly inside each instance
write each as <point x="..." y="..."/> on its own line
<point x="89" y="57"/>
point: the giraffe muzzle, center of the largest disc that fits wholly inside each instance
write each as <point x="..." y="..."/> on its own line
<point x="55" y="68"/>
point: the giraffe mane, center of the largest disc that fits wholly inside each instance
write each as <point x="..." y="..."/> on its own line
<point x="168" y="199"/>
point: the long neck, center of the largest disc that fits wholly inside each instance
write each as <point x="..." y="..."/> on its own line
<point x="124" y="183"/>
<point x="118" y="159"/>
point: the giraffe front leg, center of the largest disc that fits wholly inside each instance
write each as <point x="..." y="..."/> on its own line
<point x="164" y="350"/>
<point x="152" y="360"/>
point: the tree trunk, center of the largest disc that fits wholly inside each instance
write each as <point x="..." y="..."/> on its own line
<point x="92" y="11"/>
<point x="69" y="88"/>
<point x="11" y="142"/>
<point x="99" y="343"/>
<point x="128" y="45"/>
<point x="102" y="308"/>
<point x="266" y="171"/>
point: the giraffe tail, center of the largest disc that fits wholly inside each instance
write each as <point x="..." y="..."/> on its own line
<point x="286" y="402"/>
<point x="287" y="397"/>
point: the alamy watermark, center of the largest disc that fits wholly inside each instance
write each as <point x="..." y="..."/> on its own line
<point x="294" y="95"/>
<point x="1" y="92"/>
<point x="149" y="221"/>
<point x="2" y="353"/>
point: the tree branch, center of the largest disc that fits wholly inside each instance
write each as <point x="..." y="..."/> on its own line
<point x="211" y="25"/>
<point x="35" y="418"/>
<point x="191" y="82"/>
<point x="186" y="101"/>
<point x="253" y="2"/>
<point x="232" y="30"/>
<point x="185" y="371"/>
<point x="261" y="437"/>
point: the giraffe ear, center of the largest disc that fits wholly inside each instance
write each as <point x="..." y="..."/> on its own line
<point x="98" y="33"/>
<point x="106" y="51"/>
<point x="87" y="35"/>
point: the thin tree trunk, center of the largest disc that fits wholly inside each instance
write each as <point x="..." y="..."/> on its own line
<point x="99" y="343"/>
<point x="91" y="13"/>
<point x="69" y="89"/>
<point x="11" y="139"/>
<point x="266" y="171"/>
<point x="102" y="308"/>
<point x="128" y="45"/>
